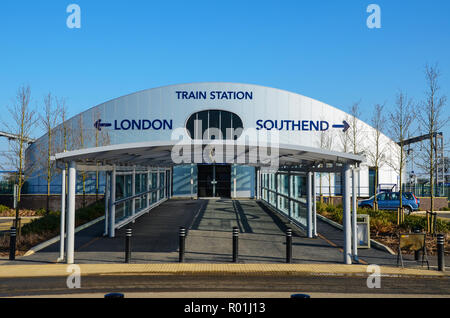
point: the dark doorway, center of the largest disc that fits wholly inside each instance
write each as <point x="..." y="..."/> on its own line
<point x="214" y="181"/>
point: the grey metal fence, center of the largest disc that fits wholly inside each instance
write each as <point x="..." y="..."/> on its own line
<point x="421" y="190"/>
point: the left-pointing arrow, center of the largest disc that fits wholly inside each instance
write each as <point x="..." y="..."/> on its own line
<point x="98" y="125"/>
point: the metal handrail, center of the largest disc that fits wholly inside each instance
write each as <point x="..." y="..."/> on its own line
<point x="137" y="195"/>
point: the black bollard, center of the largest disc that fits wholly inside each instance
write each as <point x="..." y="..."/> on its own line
<point x="440" y="252"/>
<point x="418" y="253"/>
<point x="182" y="236"/>
<point x="12" y="244"/>
<point x="235" y="244"/>
<point x="114" y="295"/>
<point x="128" y="246"/>
<point x="300" y="296"/>
<point x="289" y="246"/>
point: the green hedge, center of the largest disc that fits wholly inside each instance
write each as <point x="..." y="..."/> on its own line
<point x="50" y="223"/>
<point x="384" y="218"/>
<point x="3" y="208"/>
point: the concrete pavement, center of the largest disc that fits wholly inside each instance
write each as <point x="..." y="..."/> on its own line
<point x="58" y="270"/>
<point x="317" y="267"/>
<point x="240" y="295"/>
<point x="209" y="240"/>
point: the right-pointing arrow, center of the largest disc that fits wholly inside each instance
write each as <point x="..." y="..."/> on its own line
<point x="345" y="126"/>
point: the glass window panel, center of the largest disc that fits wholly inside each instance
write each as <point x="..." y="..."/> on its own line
<point x="144" y="182"/>
<point x="190" y="125"/>
<point x="120" y="183"/>
<point x="128" y="210"/>
<point x="128" y="185"/>
<point x="225" y="122"/>
<point x="237" y="122"/>
<point x="120" y="212"/>
<point x="214" y="120"/>
<point x="137" y="183"/>
<point x="154" y="180"/>
<point x="137" y="205"/>
<point x="203" y="117"/>
<point x="161" y="179"/>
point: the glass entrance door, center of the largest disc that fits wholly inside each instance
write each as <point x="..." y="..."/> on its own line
<point x="214" y="181"/>
<point x="223" y="179"/>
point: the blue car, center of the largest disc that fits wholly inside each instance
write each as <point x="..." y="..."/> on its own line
<point x="391" y="201"/>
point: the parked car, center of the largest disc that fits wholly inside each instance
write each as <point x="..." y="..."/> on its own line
<point x="391" y="201"/>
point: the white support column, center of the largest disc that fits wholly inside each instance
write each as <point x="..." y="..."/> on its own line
<point x="310" y="205"/>
<point x="289" y="176"/>
<point x="354" y="215"/>
<point x="277" y="190"/>
<point x="63" y="215"/>
<point x="192" y="181"/>
<point x="257" y="184"/>
<point x="158" y="185"/>
<point x="347" y="216"/>
<point x="133" y="191"/>
<point x="291" y="194"/>
<point x="147" y="186"/>
<point x="171" y="182"/>
<point x="112" y="206"/>
<point x="169" y="186"/>
<point x="107" y="200"/>
<point x="314" y="192"/>
<point x="71" y="212"/>
<point x="234" y="183"/>
<point x="260" y="184"/>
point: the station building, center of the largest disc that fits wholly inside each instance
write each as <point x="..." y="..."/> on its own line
<point x="210" y="140"/>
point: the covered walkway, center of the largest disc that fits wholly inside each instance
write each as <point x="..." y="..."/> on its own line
<point x="147" y="182"/>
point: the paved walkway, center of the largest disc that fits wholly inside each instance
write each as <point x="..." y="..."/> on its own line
<point x="209" y="240"/>
<point x="244" y="270"/>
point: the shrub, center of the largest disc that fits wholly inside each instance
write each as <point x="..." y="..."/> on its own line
<point x="90" y="213"/>
<point x="50" y="223"/>
<point x="337" y="215"/>
<point x="383" y="221"/>
<point x="4" y="209"/>
<point x="381" y="225"/>
<point x="41" y="212"/>
<point x="321" y="207"/>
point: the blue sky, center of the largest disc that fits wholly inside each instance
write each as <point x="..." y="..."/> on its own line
<point x="321" y="49"/>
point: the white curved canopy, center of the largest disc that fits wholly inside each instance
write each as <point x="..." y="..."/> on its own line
<point x="224" y="151"/>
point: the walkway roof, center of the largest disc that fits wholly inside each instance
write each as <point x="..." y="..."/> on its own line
<point x="159" y="154"/>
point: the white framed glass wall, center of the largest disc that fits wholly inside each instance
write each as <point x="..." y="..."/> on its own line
<point x="287" y="193"/>
<point x="138" y="191"/>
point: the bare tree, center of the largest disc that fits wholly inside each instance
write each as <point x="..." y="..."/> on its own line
<point x="344" y="137"/>
<point x="376" y="152"/>
<point x="81" y="141"/>
<point x="101" y="139"/>
<point x="64" y="130"/>
<point x="325" y="142"/>
<point x="431" y="121"/>
<point x="356" y="130"/>
<point x="400" y="122"/>
<point x="49" y="120"/>
<point x="22" y="123"/>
